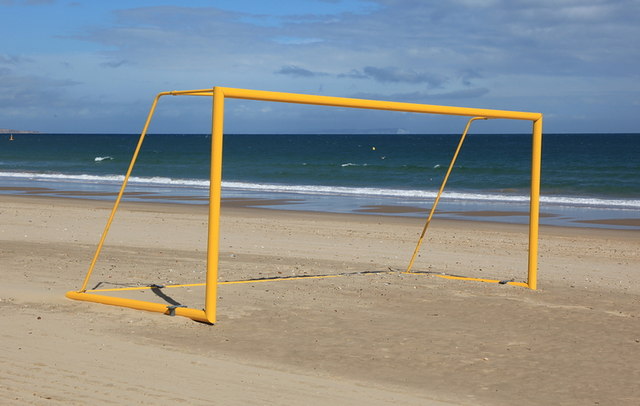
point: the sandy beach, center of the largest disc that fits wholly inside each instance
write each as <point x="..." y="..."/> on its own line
<point x="366" y="337"/>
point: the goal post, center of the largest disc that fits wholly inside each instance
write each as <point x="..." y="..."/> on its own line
<point x="218" y="96"/>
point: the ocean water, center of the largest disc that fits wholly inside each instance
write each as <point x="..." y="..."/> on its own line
<point x="585" y="177"/>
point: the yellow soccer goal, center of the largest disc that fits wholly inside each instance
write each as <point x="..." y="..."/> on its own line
<point x="218" y="96"/>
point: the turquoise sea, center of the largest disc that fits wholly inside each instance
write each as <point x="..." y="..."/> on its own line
<point x="585" y="177"/>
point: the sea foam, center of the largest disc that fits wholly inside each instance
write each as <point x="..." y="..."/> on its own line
<point x="328" y="190"/>
<point x="102" y="158"/>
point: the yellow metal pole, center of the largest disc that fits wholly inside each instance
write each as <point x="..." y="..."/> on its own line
<point x="215" y="189"/>
<point x="249" y="94"/>
<point x="373" y="104"/>
<point x="444" y="182"/>
<point x="194" y="92"/>
<point x="120" y="193"/>
<point x="194" y="314"/>
<point x="534" y="211"/>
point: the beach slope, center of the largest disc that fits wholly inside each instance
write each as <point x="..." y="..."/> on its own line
<point x="367" y="336"/>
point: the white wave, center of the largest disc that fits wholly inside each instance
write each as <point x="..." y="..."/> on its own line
<point x="423" y="194"/>
<point x="102" y="158"/>
<point x="156" y="180"/>
<point x="60" y="176"/>
<point x="329" y="190"/>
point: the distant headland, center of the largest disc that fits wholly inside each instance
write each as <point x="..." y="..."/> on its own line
<point x="9" y="131"/>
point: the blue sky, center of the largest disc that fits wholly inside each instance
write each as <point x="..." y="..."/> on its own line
<point x="95" y="66"/>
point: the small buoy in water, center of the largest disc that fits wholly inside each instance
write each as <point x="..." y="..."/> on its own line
<point x="373" y="148"/>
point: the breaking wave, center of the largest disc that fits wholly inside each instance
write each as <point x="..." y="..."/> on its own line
<point x="488" y="196"/>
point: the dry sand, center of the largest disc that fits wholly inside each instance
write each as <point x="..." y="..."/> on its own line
<point x="364" y="339"/>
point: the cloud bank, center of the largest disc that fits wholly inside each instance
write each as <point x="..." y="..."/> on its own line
<point x="563" y="57"/>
